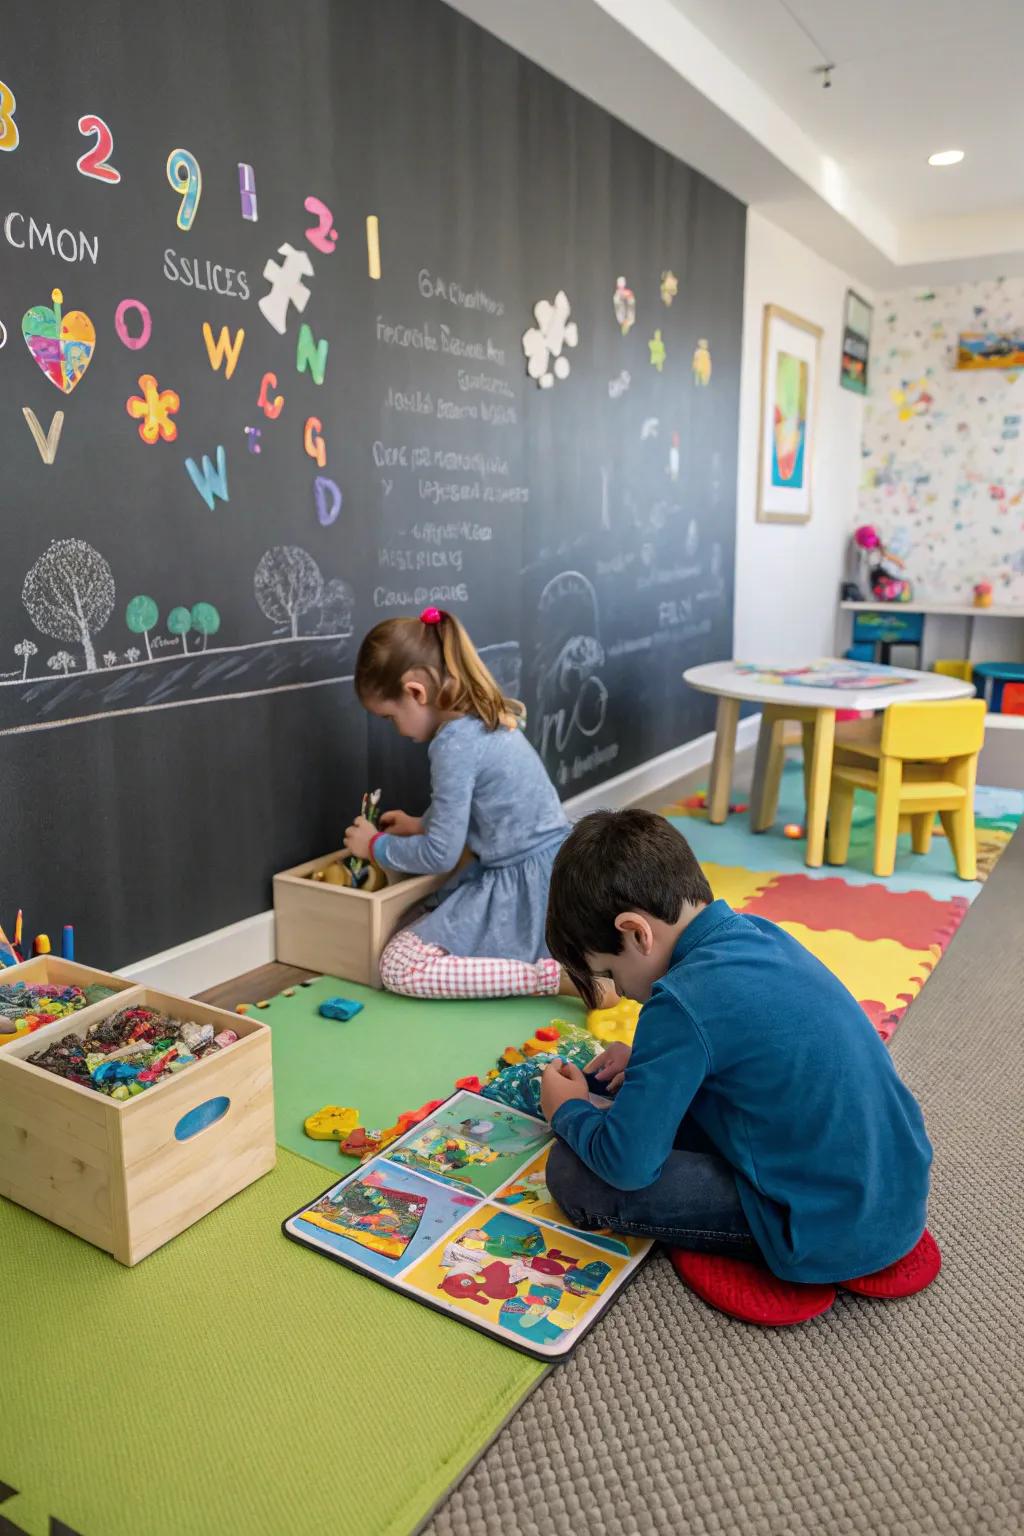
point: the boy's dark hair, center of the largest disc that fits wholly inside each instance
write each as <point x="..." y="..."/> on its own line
<point x="612" y="862"/>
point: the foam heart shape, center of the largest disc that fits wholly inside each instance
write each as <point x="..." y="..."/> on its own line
<point x="61" y="344"/>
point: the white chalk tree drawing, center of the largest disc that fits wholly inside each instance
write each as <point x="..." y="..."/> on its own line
<point x="179" y="622"/>
<point x="69" y="594"/>
<point x="62" y="661"/>
<point x="287" y="584"/>
<point x="25" y="649"/>
<point x="337" y="606"/>
<point x="109" y="658"/>
<point x="142" y="615"/>
<point x="132" y="655"/>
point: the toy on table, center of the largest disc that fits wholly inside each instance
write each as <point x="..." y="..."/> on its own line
<point x="983" y="594"/>
<point x="41" y="944"/>
<point x="339" y="1008"/>
<point x="332" y="1123"/>
<point x="67" y="942"/>
<point x="887" y="585"/>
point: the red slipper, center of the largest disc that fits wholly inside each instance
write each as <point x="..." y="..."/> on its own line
<point x="914" y="1272"/>
<point x="749" y="1291"/>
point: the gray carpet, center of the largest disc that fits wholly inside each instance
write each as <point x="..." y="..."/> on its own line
<point x="879" y="1419"/>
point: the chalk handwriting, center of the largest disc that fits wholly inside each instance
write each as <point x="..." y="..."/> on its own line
<point x="433" y="287"/>
<point x="383" y="597"/>
<point x="68" y="244"/>
<point x="189" y="271"/>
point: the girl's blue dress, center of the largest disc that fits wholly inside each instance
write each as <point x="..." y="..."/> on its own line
<point x="490" y="791"/>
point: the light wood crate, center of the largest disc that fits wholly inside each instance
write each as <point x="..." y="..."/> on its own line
<point x="336" y="929"/>
<point x="52" y="971"/>
<point x="115" y="1172"/>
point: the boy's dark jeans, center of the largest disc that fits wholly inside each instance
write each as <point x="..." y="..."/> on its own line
<point x="694" y="1204"/>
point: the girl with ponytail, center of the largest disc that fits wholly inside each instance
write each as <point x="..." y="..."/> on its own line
<point x="489" y="792"/>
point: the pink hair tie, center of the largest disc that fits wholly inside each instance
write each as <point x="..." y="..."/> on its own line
<point x="430" y="616"/>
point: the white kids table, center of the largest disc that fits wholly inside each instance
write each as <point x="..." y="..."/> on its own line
<point x="815" y="708"/>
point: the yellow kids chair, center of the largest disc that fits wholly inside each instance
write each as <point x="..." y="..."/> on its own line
<point x="924" y="760"/>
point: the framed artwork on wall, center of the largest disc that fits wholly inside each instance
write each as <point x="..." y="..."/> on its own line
<point x="789" y="416"/>
<point x="853" y="369"/>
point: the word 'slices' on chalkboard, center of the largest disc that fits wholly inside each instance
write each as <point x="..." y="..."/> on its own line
<point x="310" y="316"/>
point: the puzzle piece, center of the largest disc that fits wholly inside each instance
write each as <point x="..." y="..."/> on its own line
<point x="618" y="1023"/>
<point x="286" y="286"/>
<point x="332" y="1123"/>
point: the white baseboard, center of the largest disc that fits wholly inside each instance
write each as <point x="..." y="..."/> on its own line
<point x="657" y="773"/>
<point x="211" y="958"/>
<point x="215" y="957"/>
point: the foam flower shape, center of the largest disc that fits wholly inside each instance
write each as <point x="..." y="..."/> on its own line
<point x="543" y="343"/>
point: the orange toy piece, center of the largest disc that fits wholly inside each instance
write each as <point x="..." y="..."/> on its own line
<point x="548" y="1033"/>
<point x="511" y="1057"/>
<point x="535" y="1047"/>
<point x="411" y="1117"/>
<point x="470" y="1084"/>
<point x="793" y="829"/>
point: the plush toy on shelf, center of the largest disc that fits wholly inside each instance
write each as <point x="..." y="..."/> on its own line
<point x="884" y="566"/>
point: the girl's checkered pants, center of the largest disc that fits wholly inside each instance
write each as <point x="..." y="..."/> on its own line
<point x="416" y="969"/>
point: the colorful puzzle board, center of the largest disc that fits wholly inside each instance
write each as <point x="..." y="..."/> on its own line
<point x="827" y="674"/>
<point x="457" y="1215"/>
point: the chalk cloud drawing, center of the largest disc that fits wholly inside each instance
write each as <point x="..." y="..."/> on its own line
<point x="288" y="584"/>
<point x="62" y="345"/>
<point x="69" y="594"/>
<point x="543" y="343"/>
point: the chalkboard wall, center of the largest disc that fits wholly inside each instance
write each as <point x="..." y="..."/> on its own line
<point x="490" y="361"/>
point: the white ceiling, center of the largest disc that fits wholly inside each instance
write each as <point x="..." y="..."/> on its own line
<point x="911" y="77"/>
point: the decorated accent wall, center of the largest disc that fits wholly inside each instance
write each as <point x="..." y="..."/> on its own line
<point x="943" y="471"/>
<point x="311" y="315"/>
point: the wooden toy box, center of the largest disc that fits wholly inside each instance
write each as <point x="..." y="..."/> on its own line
<point x="51" y="970"/>
<point x="337" y="930"/>
<point x="128" y="1176"/>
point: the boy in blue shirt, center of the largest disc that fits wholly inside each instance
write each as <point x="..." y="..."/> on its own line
<point x="759" y="1127"/>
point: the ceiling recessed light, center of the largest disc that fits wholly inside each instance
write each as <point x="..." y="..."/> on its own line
<point x="946" y="157"/>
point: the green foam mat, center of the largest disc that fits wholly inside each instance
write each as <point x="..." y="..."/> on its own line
<point x="393" y="1056"/>
<point x="233" y="1382"/>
